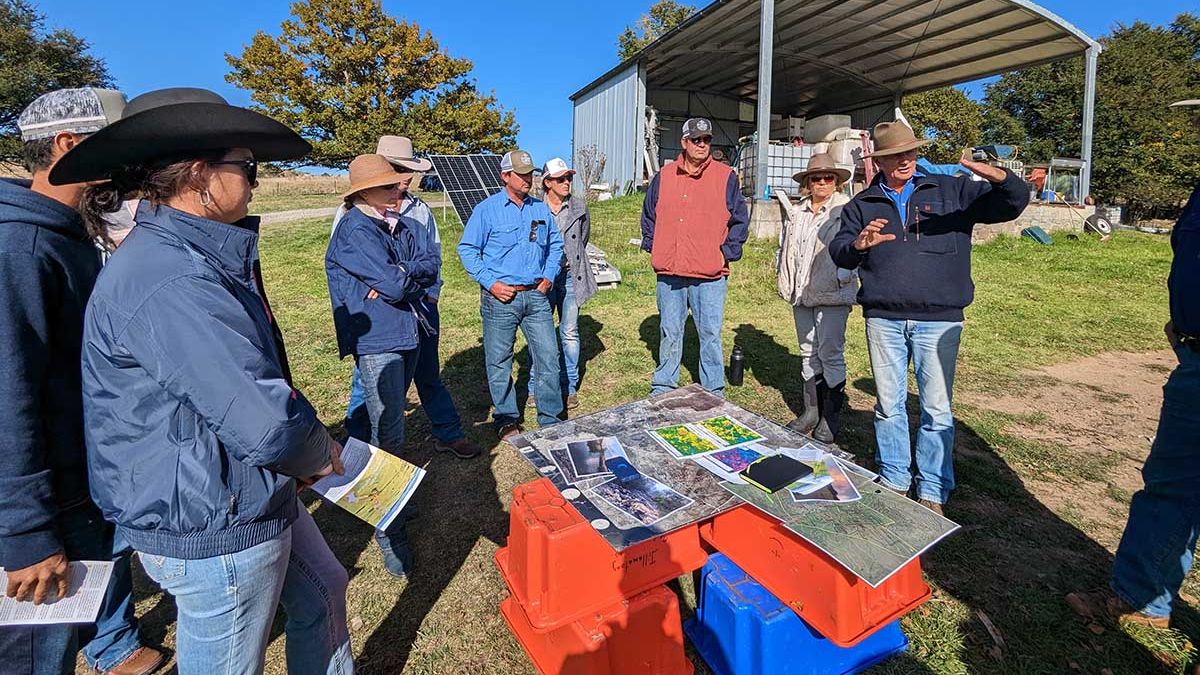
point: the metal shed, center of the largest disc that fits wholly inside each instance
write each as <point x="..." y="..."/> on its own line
<point x="739" y="61"/>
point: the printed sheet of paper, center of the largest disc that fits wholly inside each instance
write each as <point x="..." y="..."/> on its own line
<point x="726" y="464"/>
<point x="89" y="582"/>
<point x="644" y="498"/>
<point x="376" y="485"/>
<point x="829" y="483"/>
<point x="728" y="431"/>
<point x="684" y="440"/>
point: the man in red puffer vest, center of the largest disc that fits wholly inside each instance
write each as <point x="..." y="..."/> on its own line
<point x="694" y="223"/>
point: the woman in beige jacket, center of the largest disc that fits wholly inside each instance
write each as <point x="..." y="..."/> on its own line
<point x="821" y="294"/>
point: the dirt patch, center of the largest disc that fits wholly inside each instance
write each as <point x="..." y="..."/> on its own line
<point x="1104" y="408"/>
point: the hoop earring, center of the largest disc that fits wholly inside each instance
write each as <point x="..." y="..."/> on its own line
<point x="205" y="198"/>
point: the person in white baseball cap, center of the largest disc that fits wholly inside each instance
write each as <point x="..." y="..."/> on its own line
<point x="575" y="282"/>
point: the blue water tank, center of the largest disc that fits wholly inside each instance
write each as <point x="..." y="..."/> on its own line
<point x="741" y="629"/>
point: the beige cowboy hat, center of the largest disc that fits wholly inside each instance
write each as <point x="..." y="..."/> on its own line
<point x="399" y="151"/>
<point x="893" y="138"/>
<point x="369" y="171"/>
<point x="822" y="162"/>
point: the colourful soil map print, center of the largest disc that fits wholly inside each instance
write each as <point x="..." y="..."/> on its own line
<point x="683" y="441"/>
<point x="729" y="430"/>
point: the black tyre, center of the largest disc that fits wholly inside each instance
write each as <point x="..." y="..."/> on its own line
<point x="1097" y="224"/>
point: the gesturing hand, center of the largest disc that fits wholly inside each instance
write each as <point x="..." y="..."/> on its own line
<point x="503" y="292"/>
<point x="871" y="235"/>
<point x="986" y="171"/>
<point x="38" y="580"/>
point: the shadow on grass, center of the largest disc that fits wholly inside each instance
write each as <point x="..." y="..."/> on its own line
<point x="773" y="365"/>
<point x="455" y="505"/>
<point x="590" y="346"/>
<point x="1014" y="560"/>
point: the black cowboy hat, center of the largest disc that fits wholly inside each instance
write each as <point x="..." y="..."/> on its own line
<point x="176" y="124"/>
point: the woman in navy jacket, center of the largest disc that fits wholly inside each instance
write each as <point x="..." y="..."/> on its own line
<point x="378" y="276"/>
<point x="197" y="441"/>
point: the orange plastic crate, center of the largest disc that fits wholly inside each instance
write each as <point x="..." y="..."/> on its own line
<point x="838" y="604"/>
<point x="559" y="568"/>
<point x="640" y="635"/>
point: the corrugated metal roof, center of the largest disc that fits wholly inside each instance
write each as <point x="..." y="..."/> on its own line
<point x="840" y="54"/>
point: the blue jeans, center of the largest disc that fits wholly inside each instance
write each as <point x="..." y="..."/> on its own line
<point x="1164" y="518"/>
<point x="35" y="650"/>
<point x="932" y="346"/>
<point x="435" y="398"/>
<point x="562" y="299"/>
<point x="531" y="312"/>
<point x="385" y="380"/>
<point x="358" y="422"/>
<point x="226" y="605"/>
<point x="706" y="299"/>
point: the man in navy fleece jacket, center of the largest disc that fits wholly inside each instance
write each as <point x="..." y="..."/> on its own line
<point x="909" y="235"/>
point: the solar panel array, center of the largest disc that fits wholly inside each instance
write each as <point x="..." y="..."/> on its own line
<point x="468" y="179"/>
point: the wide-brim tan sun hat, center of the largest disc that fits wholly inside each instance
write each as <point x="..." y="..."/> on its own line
<point x="370" y="171"/>
<point x="399" y="151"/>
<point x="894" y="138"/>
<point x="1189" y="102"/>
<point x="821" y="162"/>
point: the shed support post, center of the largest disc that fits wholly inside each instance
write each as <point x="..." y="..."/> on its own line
<point x="1089" y="116"/>
<point x="766" y="49"/>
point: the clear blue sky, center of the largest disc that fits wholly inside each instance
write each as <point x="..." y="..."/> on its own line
<point x="153" y="44"/>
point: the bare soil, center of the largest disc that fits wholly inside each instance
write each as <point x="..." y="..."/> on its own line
<point x="1104" y="408"/>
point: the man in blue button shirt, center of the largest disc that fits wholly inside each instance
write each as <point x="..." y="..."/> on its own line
<point x="513" y="248"/>
<point x="1155" y="553"/>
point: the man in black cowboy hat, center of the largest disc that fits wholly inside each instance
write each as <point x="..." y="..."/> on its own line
<point x="1156" y="549"/>
<point x="48" y="265"/>
<point x="909" y="235"/>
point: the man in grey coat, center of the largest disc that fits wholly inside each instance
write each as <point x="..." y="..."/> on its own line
<point x="575" y="282"/>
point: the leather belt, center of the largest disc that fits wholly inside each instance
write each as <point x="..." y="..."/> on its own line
<point x="523" y="287"/>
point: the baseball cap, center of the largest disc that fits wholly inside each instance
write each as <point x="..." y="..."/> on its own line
<point x="697" y="127"/>
<point x="556" y="167"/>
<point x="517" y="161"/>
<point x="84" y="110"/>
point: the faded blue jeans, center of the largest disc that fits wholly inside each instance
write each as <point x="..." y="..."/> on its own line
<point x="706" y="299"/>
<point x="531" y="312"/>
<point x="385" y="380"/>
<point x="1164" y="518"/>
<point x="227" y="604"/>
<point x="38" y="650"/>
<point x="562" y="299"/>
<point x="932" y="346"/>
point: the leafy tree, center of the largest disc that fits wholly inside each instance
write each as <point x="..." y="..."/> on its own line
<point x="1144" y="154"/>
<point x="946" y="116"/>
<point x="34" y="61"/>
<point x="661" y="18"/>
<point x="344" y="72"/>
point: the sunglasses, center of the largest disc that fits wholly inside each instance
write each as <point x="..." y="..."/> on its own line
<point x="703" y="140"/>
<point x="533" y="229"/>
<point x="559" y="179"/>
<point x="823" y="178"/>
<point x="249" y="167"/>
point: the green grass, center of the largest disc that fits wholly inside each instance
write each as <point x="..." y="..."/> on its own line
<point x="1013" y="562"/>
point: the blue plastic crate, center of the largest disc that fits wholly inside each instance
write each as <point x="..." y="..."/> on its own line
<point x="741" y="629"/>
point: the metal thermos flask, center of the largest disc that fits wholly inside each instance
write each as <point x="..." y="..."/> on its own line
<point x="737" y="366"/>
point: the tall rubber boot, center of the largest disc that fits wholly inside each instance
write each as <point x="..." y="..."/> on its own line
<point x="812" y="413"/>
<point x="831" y="412"/>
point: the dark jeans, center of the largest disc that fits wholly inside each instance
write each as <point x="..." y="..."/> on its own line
<point x="1164" y="518"/>
<point x="38" y="650"/>
<point x="385" y="380"/>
